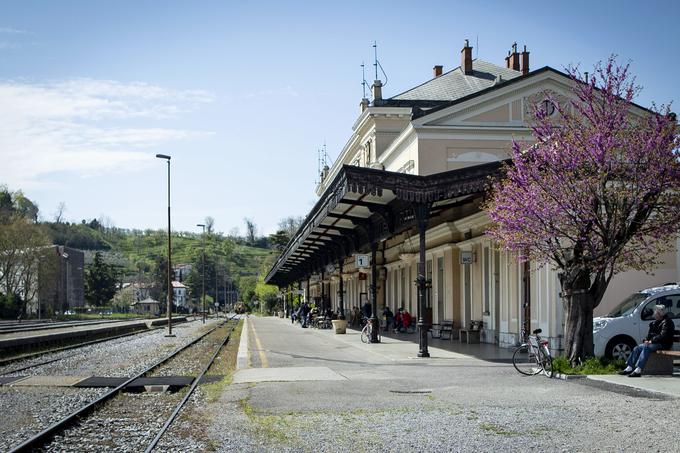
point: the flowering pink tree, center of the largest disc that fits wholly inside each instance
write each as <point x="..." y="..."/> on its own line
<point x="596" y="194"/>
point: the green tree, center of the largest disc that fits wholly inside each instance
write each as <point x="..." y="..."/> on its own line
<point x="25" y="207"/>
<point x="159" y="277"/>
<point x="100" y="282"/>
<point x="21" y="245"/>
<point x="278" y="240"/>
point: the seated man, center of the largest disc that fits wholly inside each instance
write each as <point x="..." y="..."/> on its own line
<point x="660" y="336"/>
<point x="406" y="319"/>
<point x="398" y="321"/>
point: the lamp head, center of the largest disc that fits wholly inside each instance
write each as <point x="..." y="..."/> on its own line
<point x="163" y="156"/>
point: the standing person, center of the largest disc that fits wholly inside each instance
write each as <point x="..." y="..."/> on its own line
<point x="660" y="336"/>
<point x="367" y="310"/>
<point x="304" y="314"/>
<point x="387" y="316"/>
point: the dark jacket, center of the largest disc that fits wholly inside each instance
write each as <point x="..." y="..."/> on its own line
<point x="367" y="310"/>
<point x="661" y="332"/>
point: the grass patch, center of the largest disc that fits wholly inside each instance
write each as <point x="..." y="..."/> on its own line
<point x="273" y="427"/>
<point x="497" y="429"/>
<point x="594" y="365"/>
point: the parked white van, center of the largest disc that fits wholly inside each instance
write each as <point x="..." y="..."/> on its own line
<point x="616" y="334"/>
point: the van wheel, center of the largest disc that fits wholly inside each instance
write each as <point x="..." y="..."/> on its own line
<point x="619" y="348"/>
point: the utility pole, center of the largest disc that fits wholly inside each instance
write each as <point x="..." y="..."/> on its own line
<point x="203" y="267"/>
<point x="169" y="308"/>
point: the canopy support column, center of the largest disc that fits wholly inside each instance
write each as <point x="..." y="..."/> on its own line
<point x="374" y="293"/>
<point x="341" y="292"/>
<point x="422" y="211"/>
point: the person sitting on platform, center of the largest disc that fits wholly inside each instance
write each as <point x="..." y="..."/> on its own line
<point x="398" y="320"/>
<point x="406" y="320"/>
<point x="660" y="336"/>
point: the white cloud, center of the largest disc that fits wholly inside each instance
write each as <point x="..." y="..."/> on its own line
<point x="12" y="31"/>
<point x="82" y="126"/>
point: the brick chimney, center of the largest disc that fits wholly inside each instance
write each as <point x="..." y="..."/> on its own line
<point x="525" y="61"/>
<point x="466" y="59"/>
<point x="512" y="60"/>
<point x="437" y="70"/>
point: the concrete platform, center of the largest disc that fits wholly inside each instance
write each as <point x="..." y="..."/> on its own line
<point x="401" y="349"/>
<point x="668" y="385"/>
<point x="286" y="375"/>
<point x="13" y="342"/>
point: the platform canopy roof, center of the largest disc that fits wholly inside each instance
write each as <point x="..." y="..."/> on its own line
<point x="362" y="206"/>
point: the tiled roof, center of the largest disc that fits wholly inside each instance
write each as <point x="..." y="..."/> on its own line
<point x="455" y="84"/>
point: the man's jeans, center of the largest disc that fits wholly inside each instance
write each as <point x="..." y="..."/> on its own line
<point x="640" y="354"/>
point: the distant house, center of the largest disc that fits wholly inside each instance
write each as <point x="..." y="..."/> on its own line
<point x="147" y="307"/>
<point x="140" y="291"/>
<point x="179" y="295"/>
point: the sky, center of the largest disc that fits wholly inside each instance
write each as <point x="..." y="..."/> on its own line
<point x="243" y="94"/>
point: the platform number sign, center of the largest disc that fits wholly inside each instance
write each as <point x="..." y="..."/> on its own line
<point x="363" y="261"/>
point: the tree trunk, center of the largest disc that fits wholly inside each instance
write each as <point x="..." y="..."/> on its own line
<point x="578" y="328"/>
<point x="578" y="308"/>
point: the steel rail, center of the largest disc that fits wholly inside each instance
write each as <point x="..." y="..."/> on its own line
<point x="194" y="384"/>
<point x="45" y="435"/>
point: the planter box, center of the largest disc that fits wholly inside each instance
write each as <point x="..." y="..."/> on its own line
<point x="339" y="326"/>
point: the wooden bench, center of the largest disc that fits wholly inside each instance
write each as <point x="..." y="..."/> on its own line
<point x="661" y="362"/>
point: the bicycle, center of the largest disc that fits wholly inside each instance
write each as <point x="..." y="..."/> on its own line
<point x="533" y="357"/>
<point x="367" y="331"/>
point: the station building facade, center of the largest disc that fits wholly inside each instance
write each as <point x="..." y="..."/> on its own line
<point x="434" y="148"/>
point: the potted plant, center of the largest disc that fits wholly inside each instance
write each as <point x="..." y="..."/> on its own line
<point x="340" y="324"/>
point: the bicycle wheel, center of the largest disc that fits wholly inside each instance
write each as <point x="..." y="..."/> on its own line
<point x="524" y="361"/>
<point x="365" y="334"/>
<point x="546" y="364"/>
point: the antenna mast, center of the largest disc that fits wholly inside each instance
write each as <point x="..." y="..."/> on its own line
<point x="363" y="79"/>
<point x="375" y="61"/>
<point x="377" y="64"/>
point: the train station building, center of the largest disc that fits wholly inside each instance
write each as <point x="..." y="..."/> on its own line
<point x="408" y="188"/>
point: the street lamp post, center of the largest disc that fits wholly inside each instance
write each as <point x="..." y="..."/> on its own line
<point x="169" y="308"/>
<point x="203" y="267"/>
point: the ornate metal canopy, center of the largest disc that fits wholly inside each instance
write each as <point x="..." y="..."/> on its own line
<point x="362" y="206"/>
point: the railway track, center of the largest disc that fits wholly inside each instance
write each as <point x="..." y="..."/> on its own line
<point x="57" y="436"/>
